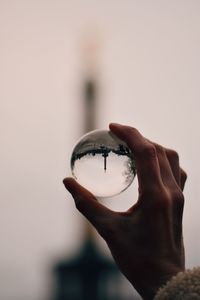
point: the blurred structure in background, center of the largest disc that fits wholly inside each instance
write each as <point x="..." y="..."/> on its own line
<point x="89" y="275"/>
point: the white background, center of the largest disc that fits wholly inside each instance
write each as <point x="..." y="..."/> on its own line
<point x="148" y="68"/>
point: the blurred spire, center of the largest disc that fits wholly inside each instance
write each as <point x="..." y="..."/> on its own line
<point x="88" y="275"/>
<point x="90" y="55"/>
<point x="90" y="46"/>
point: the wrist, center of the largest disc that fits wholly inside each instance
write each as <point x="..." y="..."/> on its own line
<point x="148" y="284"/>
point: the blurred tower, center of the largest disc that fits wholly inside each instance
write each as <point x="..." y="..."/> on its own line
<point x="89" y="275"/>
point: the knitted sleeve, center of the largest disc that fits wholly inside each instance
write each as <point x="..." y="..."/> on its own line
<point x="183" y="286"/>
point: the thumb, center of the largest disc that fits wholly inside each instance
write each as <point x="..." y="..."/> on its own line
<point x="87" y="203"/>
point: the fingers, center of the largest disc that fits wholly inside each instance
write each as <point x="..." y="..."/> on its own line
<point x="148" y="170"/>
<point x="170" y="169"/>
<point x="155" y="164"/>
<point x="169" y="166"/>
<point x="179" y="174"/>
<point x="88" y="205"/>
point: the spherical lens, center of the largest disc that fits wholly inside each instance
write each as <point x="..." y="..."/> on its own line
<point x="103" y="163"/>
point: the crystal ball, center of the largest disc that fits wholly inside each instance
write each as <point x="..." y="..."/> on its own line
<point x="103" y="163"/>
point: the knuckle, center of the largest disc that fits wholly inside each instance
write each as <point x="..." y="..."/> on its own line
<point x="172" y="154"/>
<point x="183" y="174"/>
<point x="131" y="129"/>
<point x="178" y="197"/>
<point x="82" y="203"/>
<point x="157" y="196"/>
<point x="131" y="132"/>
<point x="79" y="204"/>
<point x="148" y="151"/>
<point x="162" y="198"/>
<point x="159" y="148"/>
<point x="153" y="189"/>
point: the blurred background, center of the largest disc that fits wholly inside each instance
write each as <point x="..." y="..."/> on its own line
<point x="144" y="58"/>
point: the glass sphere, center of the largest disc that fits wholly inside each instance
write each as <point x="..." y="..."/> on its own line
<point x="103" y="163"/>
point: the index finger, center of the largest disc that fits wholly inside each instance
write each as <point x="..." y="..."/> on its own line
<point x="145" y="155"/>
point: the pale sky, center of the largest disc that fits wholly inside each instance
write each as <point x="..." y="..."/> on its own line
<point x="148" y="66"/>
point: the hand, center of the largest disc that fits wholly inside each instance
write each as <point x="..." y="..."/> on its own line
<point x="145" y="241"/>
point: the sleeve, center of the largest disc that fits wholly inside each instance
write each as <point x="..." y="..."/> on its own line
<point x="183" y="286"/>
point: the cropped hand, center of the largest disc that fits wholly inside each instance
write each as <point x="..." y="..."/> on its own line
<point x="145" y="241"/>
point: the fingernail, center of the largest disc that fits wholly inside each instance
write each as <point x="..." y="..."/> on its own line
<point x="115" y="124"/>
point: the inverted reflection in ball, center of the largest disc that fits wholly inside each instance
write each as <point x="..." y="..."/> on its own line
<point x="103" y="163"/>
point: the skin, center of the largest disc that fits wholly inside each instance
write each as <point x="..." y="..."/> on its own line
<point x="145" y="241"/>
